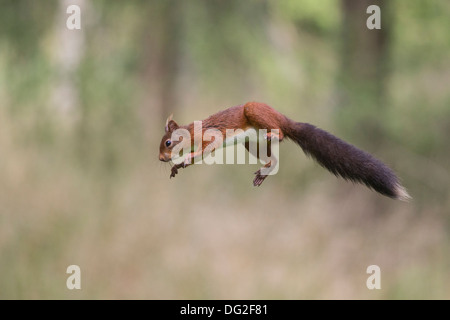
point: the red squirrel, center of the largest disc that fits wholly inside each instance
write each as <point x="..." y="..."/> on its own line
<point x="337" y="156"/>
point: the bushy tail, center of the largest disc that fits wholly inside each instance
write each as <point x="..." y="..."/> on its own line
<point x="345" y="160"/>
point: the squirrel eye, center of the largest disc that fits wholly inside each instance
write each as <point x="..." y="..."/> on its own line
<point x="168" y="143"/>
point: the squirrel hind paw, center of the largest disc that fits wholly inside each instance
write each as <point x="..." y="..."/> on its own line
<point x="259" y="178"/>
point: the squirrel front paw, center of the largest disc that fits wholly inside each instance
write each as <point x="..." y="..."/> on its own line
<point x="174" y="172"/>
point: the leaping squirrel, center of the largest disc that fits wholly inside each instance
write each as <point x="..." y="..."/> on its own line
<point x="339" y="157"/>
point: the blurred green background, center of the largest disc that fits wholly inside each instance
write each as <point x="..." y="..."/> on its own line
<point x="82" y="113"/>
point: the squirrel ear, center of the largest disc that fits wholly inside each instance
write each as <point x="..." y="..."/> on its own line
<point x="171" y="125"/>
<point x="167" y="122"/>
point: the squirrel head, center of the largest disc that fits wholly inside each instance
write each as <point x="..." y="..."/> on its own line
<point x="166" y="145"/>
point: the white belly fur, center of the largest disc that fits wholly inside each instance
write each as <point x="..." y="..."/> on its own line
<point x="239" y="136"/>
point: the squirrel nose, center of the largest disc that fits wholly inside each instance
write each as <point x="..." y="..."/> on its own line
<point x="161" y="157"/>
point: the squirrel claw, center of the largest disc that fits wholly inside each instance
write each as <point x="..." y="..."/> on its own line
<point x="174" y="172"/>
<point x="259" y="178"/>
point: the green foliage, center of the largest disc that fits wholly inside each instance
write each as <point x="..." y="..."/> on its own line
<point x="320" y="17"/>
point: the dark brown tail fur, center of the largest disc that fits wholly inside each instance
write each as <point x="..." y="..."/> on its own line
<point x="345" y="160"/>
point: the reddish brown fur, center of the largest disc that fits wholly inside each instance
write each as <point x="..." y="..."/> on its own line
<point x="339" y="157"/>
<point x="262" y="116"/>
<point x="251" y="115"/>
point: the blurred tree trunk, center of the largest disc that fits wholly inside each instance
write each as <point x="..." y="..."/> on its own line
<point x="163" y="41"/>
<point x="69" y="51"/>
<point x="364" y="70"/>
<point x="362" y="80"/>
